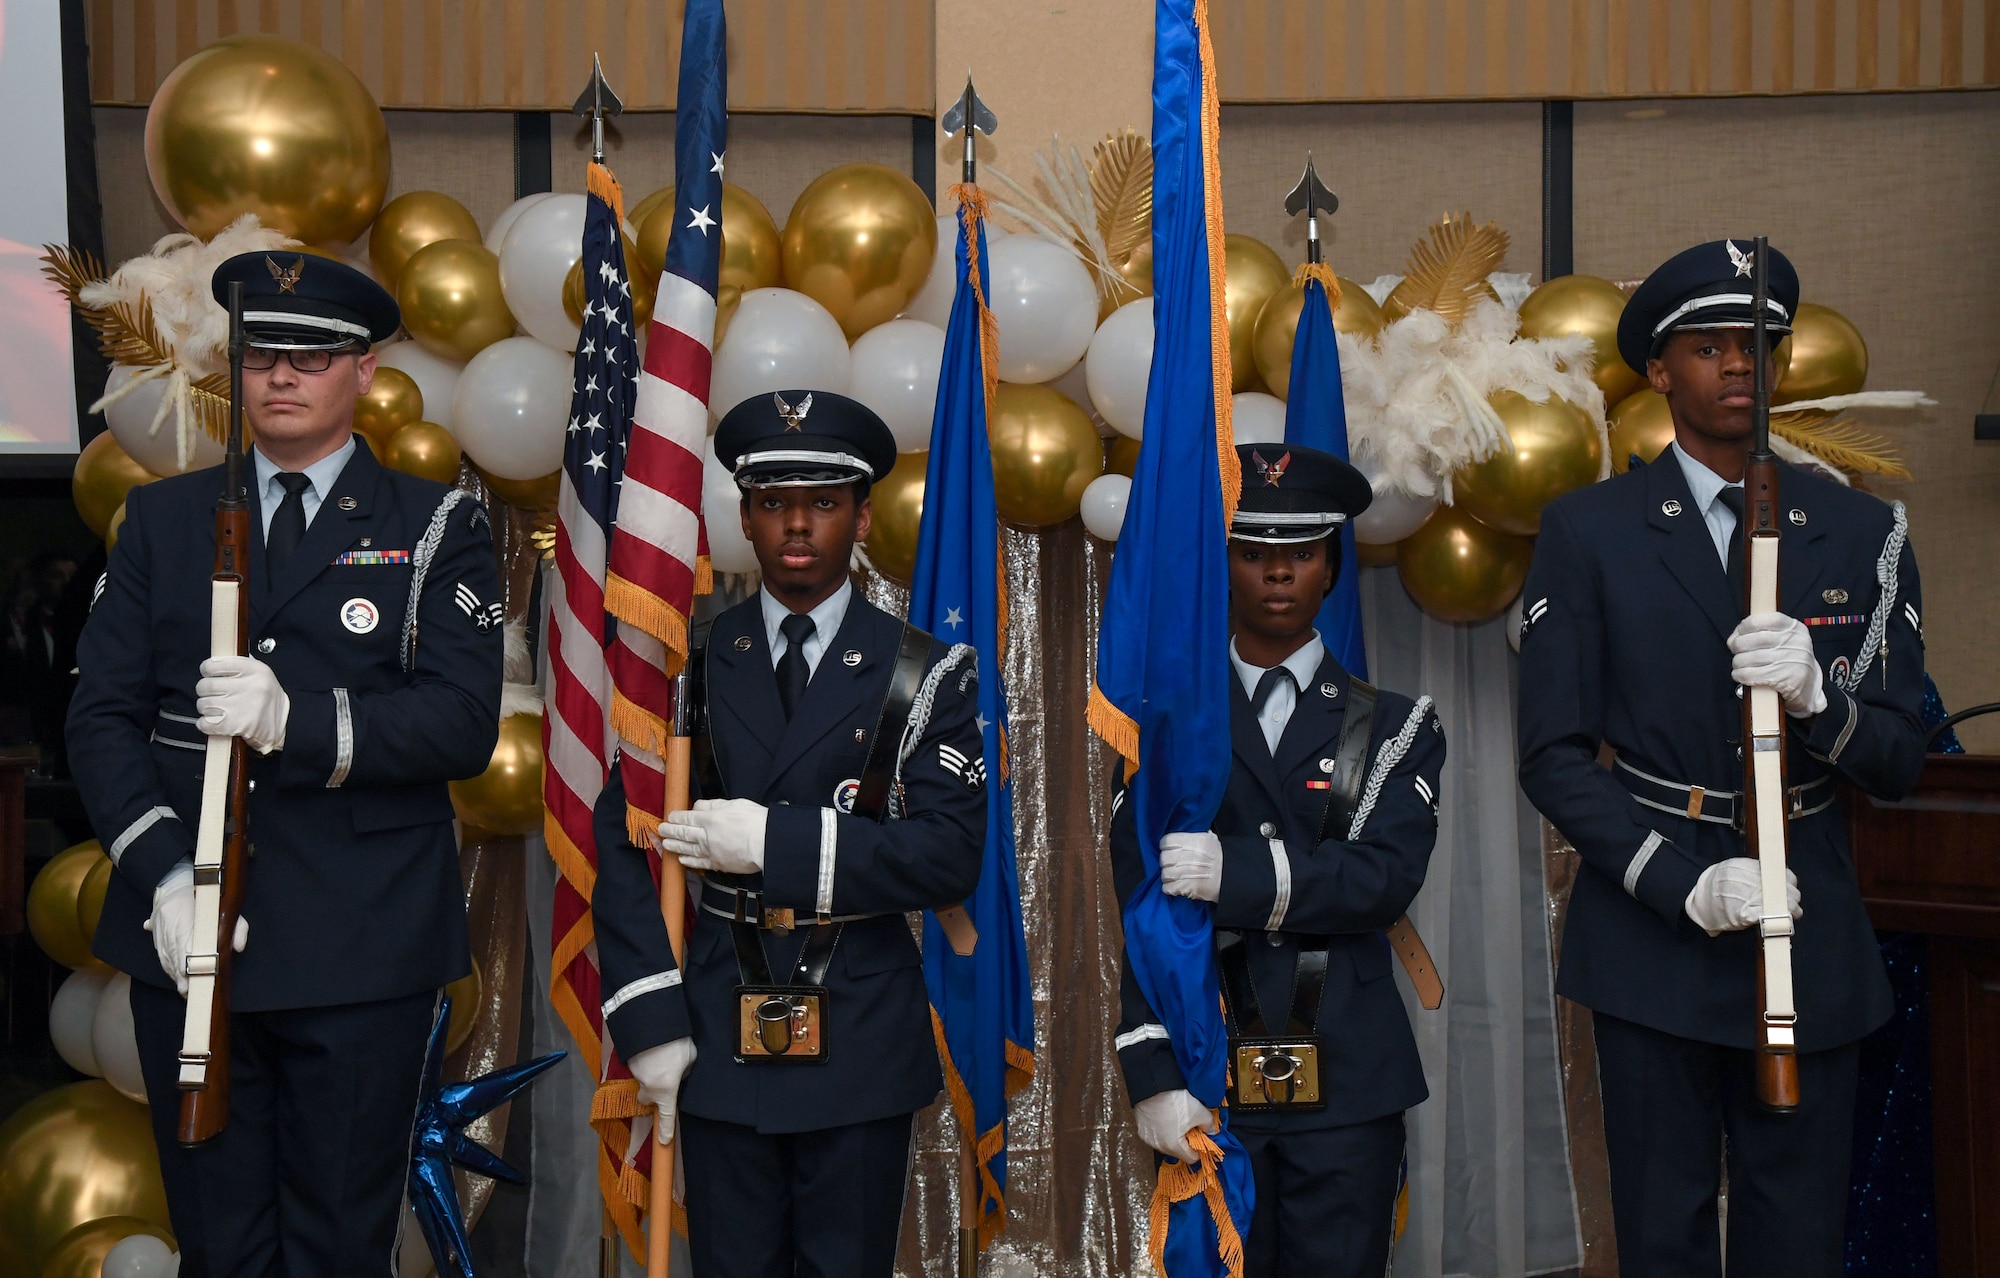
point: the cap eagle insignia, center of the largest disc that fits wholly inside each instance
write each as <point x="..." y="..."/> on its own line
<point x="795" y="418"/>
<point x="1271" y="471"/>
<point x="287" y="276"/>
<point x="1739" y="259"/>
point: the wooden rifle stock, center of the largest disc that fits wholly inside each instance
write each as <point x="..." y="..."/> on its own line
<point x="222" y="846"/>
<point x="1763" y="748"/>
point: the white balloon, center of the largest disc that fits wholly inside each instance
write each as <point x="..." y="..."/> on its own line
<point x="436" y="378"/>
<point x="933" y="301"/>
<point x="1046" y="305"/>
<point x="721" y="514"/>
<point x="778" y="340"/>
<point x="544" y="242"/>
<point x="1392" y="516"/>
<point x="496" y="235"/>
<point x="895" y="371"/>
<point x="140" y="1256"/>
<point x="1104" y="505"/>
<point x="511" y="407"/>
<point x="1119" y="364"/>
<point x="1259" y="418"/>
<point x="71" y="1014"/>
<point x="131" y="422"/>
<point x="112" y="1040"/>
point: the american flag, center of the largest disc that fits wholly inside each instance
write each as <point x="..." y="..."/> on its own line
<point x="584" y="646"/>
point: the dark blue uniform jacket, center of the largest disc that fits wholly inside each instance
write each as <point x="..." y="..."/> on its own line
<point x="353" y="891"/>
<point x="1628" y="613"/>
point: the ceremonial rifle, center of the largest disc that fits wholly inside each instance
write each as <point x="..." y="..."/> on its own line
<point x="222" y="839"/>
<point x="1764" y="737"/>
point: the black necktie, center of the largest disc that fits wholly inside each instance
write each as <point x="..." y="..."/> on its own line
<point x="793" y="672"/>
<point x="1268" y="684"/>
<point x="1732" y="559"/>
<point x="288" y="524"/>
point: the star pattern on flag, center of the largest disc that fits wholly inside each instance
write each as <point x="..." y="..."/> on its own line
<point x="954" y="618"/>
<point x="715" y="165"/>
<point x="699" y="220"/>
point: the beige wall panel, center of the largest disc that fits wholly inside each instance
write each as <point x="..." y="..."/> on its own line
<point x="1886" y="204"/>
<point x="1396" y="168"/>
<point x="467" y="155"/>
<point x="134" y="218"/>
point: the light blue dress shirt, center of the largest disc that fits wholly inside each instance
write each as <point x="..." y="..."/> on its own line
<point x="1277" y="712"/>
<point x="321" y="476"/>
<point x="826" y="624"/>
<point x="1705" y="484"/>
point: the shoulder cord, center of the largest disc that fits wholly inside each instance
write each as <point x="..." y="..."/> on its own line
<point x="1392" y="754"/>
<point x="427" y="548"/>
<point x="1885" y="575"/>
<point x="920" y="718"/>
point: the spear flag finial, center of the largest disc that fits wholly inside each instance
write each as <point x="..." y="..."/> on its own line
<point x="597" y="101"/>
<point x="1311" y="198"/>
<point x="969" y="115"/>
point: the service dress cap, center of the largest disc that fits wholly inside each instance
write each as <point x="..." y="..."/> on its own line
<point x="302" y="302"/>
<point x="1293" y="494"/>
<point x="797" y="438"/>
<point x="1707" y="286"/>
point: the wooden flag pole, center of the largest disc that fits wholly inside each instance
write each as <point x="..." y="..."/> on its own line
<point x="968" y="1209"/>
<point x="673" y="909"/>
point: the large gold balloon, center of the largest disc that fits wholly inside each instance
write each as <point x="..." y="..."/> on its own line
<point x="54" y="916"/>
<point x="644" y="283"/>
<point x="392" y="402"/>
<point x="266" y="125"/>
<point x="415" y="220"/>
<point x="1556" y="450"/>
<point x="104" y="474"/>
<point x="752" y="253"/>
<point x="70" y="1156"/>
<point x="1278" y="326"/>
<point x="860" y="242"/>
<point x="1828" y="356"/>
<point x="528" y="494"/>
<point x="896" y="507"/>
<point x="1252" y="274"/>
<point x="1045" y="453"/>
<point x="507" y="797"/>
<point x="82" y="1250"/>
<point x="426" y="450"/>
<point x="90" y="898"/>
<point x="1458" y="569"/>
<point x="449" y="292"/>
<point x="1121" y="456"/>
<point x="1641" y="425"/>
<point x="1584" y="306"/>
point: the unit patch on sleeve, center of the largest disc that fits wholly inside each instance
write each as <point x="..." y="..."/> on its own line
<point x="484" y="616"/>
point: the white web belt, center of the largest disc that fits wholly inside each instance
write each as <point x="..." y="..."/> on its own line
<point x="225" y="600"/>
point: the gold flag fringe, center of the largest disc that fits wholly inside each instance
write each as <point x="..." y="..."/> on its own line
<point x="633" y="603"/>
<point x="1218" y="310"/>
<point x="1328" y="280"/>
<point x="598" y="181"/>
<point x="1179" y="1182"/>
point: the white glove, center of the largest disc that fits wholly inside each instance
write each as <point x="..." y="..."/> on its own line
<point x="240" y="697"/>
<point x="172" y="924"/>
<point x="659" y="1071"/>
<point x="1191" y="865"/>
<point x="1774" y="651"/>
<point x="1729" y="896"/>
<point x="1165" y="1119"/>
<point x="719" y="834"/>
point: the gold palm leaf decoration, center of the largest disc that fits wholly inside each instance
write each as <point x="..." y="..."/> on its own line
<point x="130" y="337"/>
<point x="1840" y="442"/>
<point x="1121" y="182"/>
<point x="1447" y="270"/>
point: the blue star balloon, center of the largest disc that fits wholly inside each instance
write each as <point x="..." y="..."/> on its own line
<point x="440" y="1140"/>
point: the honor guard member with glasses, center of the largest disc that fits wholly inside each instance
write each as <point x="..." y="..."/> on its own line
<point x="1634" y="638"/>
<point x="842" y="784"/>
<point x="373" y="678"/>
<point x="1320" y="845"/>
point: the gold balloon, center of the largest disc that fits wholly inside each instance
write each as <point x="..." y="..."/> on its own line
<point x="1278" y="326"/>
<point x="1252" y="274"/>
<point x="897" y="508"/>
<point x="54" y="900"/>
<point x="1640" y="424"/>
<point x="644" y="283"/>
<point x="266" y="125"/>
<point x="69" y="1157"/>
<point x="507" y="797"/>
<point x="1584" y="306"/>
<point x="465" y="993"/>
<point x="1828" y="356"/>
<point x="1457" y="569"/>
<point x="752" y="253"/>
<point x="392" y="402"/>
<point x="1373" y="555"/>
<point x="1556" y="449"/>
<point x="1121" y="455"/>
<point x="104" y="474"/>
<point x="449" y="292"/>
<point x="426" y="450"/>
<point x="111" y="529"/>
<point x="415" y="220"/>
<point x="860" y="242"/>
<point x="82" y="1250"/>
<point x="1045" y="453"/>
<point x="90" y="899"/>
<point x="528" y="494"/>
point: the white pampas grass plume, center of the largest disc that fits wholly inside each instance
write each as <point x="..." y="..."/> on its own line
<point x="174" y="279"/>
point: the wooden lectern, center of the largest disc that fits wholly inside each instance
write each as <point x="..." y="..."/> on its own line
<point x="1930" y="863"/>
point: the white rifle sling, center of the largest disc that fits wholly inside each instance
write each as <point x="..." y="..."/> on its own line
<point x="225" y="599"/>
<point x="1767" y="735"/>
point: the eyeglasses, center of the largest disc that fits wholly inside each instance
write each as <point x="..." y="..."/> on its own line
<point x="264" y="358"/>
